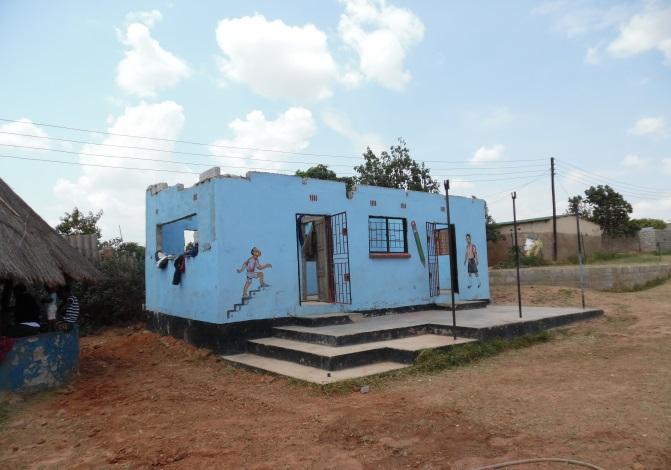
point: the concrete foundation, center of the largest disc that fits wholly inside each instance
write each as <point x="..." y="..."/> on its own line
<point x="601" y="277"/>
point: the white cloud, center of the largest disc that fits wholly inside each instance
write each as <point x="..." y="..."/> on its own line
<point x="593" y="56"/>
<point x="120" y="193"/>
<point x="498" y="117"/>
<point x="291" y="131"/>
<point x="149" y="18"/>
<point x="645" y="31"/>
<point x="341" y="124"/>
<point x="666" y="165"/>
<point x="648" y="125"/>
<point x="574" y="18"/>
<point x="147" y="68"/>
<point x="381" y="35"/>
<point x="9" y="134"/>
<point x="488" y="154"/>
<point x="276" y="60"/>
<point x="658" y="209"/>
<point x="634" y="161"/>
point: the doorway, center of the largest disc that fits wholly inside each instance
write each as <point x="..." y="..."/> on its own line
<point x="442" y="262"/>
<point x="323" y="258"/>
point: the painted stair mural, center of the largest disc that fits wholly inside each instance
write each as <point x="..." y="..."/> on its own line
<point x="245" y="300"/>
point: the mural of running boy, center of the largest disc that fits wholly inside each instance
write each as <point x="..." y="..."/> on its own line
<point x="471" y="259"/>
<point x="251" y="265"/>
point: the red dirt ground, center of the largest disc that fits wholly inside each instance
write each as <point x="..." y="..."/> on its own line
<point x="601" y="393"/>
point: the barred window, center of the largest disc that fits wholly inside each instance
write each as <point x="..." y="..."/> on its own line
<point x="387" y="235"/>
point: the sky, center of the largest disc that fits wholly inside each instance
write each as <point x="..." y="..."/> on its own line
<point x="98" y="100"/>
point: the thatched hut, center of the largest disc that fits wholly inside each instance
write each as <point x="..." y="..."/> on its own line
<point x="32" y="251"/>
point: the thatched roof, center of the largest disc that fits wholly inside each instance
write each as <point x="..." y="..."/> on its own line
<point x="32" y="251"/>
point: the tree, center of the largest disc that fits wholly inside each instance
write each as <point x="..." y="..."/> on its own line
<point x="578" y="205"/>
<point x="638" y="224"/>
<point x="493" y="232"/>
<point x="395" y="169"/>
<point x="604" y="206"/>
<point x="320" y="172"/>
<point x="76" y="222"/>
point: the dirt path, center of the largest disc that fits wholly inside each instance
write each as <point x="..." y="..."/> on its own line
<point x="601" y="392"/>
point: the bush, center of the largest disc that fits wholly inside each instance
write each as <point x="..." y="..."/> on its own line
<point x="119" y="296"/>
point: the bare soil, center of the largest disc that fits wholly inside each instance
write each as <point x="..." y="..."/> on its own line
<point x="599" y="392"/>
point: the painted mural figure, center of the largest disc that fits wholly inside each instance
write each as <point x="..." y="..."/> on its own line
<point x="471" y="259"/>
<point x="251" y="265"/>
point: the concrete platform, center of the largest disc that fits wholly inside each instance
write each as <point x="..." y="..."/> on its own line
<point x="481" y="323"/>
<point x="307" y="373"/>
<point x="332" y="358"/>
<point x="354" y="345"/>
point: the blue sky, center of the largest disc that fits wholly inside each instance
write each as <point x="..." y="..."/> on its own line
<point x="485" y="92"/>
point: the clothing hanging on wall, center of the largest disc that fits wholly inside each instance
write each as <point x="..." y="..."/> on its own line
<point x="180" y="268"/>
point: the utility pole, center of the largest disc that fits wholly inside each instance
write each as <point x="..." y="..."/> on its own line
<point x="517" y="255"/>
<point x="452" y="257"/>
<point x="554" y="210"/>
<point x="580" y="260"/>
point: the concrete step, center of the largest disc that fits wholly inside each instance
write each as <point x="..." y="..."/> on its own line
<point x="341" y="335"/>
<point x="333" y="358"/>
<point x="325" y="319"/>
<point x="307" y="373"/>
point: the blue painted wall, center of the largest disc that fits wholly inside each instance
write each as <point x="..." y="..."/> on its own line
<point x="233" y="214"/>
<point x="40" y="362"/>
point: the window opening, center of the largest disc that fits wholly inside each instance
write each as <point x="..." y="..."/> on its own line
<point x="387" y="235"/>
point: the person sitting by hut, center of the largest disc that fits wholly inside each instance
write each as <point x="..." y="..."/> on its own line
<point x="26" y="313"/>
<point x="51" y="301"/>
<point x="69" y="314"/>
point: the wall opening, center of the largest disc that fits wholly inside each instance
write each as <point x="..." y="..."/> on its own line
<point x="173" y="237"/>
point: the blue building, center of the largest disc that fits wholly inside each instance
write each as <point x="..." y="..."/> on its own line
<point x="323" y="249"/>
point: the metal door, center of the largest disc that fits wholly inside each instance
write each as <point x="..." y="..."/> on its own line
<point x="432" y="259"/>
<point x="340" y="259"/>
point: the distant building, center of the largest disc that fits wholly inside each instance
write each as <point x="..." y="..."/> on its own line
<point x="538" y="232"/>
<point x="565" y="224"/>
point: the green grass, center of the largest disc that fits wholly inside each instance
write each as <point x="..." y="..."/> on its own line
<point x="4" y="412"/>
<point x="431" y="361"/>
<point x="644" y="286"/>
<point x="596" y="258"/>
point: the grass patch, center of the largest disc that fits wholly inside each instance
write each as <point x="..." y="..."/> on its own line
<point x="4" y="412"/>
<point x="432" y="360"/>
<point x="644" y="286"/>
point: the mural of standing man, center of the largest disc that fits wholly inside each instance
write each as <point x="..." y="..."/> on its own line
<point x="251" y="265"/>
<point x="471" y="259"/>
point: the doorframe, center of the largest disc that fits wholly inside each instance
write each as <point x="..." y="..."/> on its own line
<point x="454" y="265"/>
<point x="298" y="256"/>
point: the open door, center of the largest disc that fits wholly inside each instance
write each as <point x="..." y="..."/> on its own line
<point x="432" y="259"/>
<point x="340" y="258"/>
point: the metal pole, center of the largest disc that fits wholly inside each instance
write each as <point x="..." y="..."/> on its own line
<point x="517" y="255"/>
<point x="582" y="269"/>
<point x="554" y="210"/>
<point x="452" y="256"/>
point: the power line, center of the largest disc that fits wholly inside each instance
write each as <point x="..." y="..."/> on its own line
<point x="627" y="192"/>
<point x="271" y="170"/>
<point x="160" y="139"/>
<point x="634" y="186"/>
<point x="505" y="193"/>
<point x="96" y="165"/>
<point x="207" y="155"/>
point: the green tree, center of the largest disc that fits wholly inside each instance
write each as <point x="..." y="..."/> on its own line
<point x="604" y="206"/>
<point x="493" y="232"/>
<point x="578" y="205"/>
<point x="320" y="172"/>
<point x="638" y="224"/>
<point x="395" y="169"/>
<point x="77" y="222"/>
